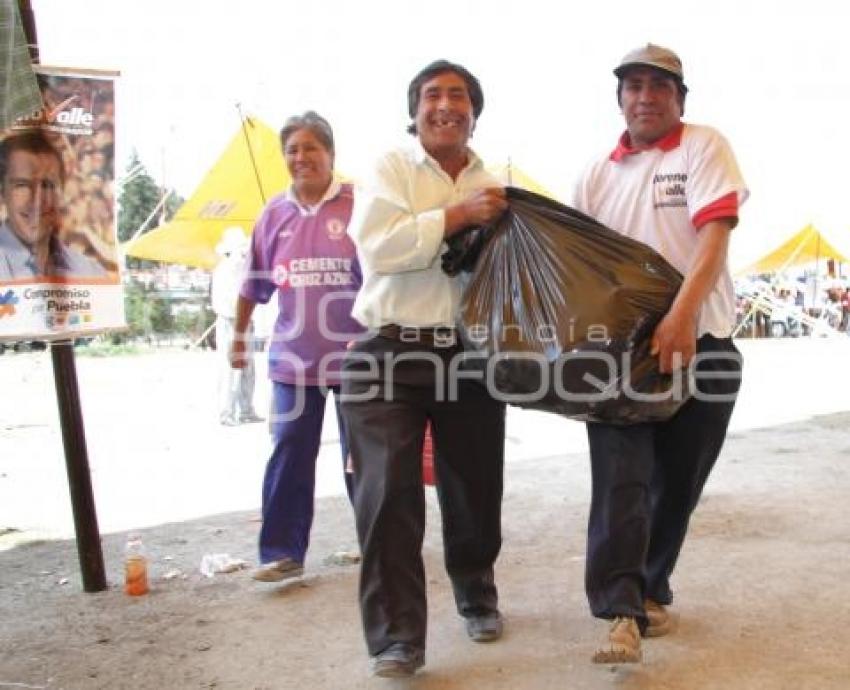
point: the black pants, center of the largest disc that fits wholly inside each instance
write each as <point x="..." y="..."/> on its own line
<point x="385" y="436"/>
<point x="647" y="480"/>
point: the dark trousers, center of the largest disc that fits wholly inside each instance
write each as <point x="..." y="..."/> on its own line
<point x="647" y="480"/>
<point x="385" y="435"/>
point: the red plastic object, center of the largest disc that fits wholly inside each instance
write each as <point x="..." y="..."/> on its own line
<point x="428" y="458"/>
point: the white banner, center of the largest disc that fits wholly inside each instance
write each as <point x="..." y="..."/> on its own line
<point x="60" y="273"/>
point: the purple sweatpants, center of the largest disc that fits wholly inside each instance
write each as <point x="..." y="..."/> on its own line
<point x="289" y="482"/>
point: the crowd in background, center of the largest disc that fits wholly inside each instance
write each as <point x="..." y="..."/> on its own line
<point x="767" y="307"/>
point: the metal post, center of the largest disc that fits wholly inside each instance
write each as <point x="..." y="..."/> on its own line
<point x="77" y="464"/>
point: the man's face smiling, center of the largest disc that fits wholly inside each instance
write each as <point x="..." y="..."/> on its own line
<point x="444" y="119"/>
<point x="31" y="194"/>
<point x="651" y="105"/>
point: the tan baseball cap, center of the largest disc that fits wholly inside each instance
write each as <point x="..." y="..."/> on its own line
<point x="651" y="55"/>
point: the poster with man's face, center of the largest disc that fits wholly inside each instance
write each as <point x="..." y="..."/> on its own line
<point x="59" y="263"/>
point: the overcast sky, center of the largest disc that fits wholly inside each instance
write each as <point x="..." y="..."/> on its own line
<point x="774" y="77"/>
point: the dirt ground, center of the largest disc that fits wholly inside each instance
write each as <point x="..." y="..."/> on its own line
<point x="762" y="587"/>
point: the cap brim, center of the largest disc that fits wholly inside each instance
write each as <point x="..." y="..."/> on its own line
<point x="622" y="69"/>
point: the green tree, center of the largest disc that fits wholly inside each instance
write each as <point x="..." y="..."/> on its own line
<point x="162" y="317"/>
<point x="172" y="203"/>
<point x="139" y="197"/>
<point x="137" y="307"/>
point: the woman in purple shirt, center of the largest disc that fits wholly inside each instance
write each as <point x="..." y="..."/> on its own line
<point x="300" y="250"/>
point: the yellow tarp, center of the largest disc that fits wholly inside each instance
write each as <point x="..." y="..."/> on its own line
<point x="511" y="175"/>
<point x="233" y="193"/>
<point x="807" y="246"/>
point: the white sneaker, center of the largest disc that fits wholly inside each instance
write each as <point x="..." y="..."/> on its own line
<point x="276" y="571"/>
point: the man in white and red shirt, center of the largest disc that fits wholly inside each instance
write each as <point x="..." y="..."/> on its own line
<point x="677" y="188"/>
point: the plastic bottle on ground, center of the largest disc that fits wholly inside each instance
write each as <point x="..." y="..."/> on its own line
<point x="135" y="567"/>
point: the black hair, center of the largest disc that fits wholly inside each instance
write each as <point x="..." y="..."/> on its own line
<point x="473" y="87"/>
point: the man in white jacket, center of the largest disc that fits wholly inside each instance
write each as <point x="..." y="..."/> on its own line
<point x="394" y="383"/>
<point x="236" y="385"/>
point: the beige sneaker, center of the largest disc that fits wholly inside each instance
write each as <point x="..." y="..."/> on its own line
<point x="660" y="622"/>
<point x="276" y="571"/>
<point x="622" y="646"/>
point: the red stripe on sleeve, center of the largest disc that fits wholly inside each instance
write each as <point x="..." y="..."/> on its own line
<point x="724" y="207"/>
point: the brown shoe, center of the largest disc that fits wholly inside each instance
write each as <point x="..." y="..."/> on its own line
<point x="659" y="620"/>
<point x="622" y="646"/>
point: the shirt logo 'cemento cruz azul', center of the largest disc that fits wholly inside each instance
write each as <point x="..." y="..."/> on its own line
<point x="669" y="189"/>
<point x="313" y="272"/>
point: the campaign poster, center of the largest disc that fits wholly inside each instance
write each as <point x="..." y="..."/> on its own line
<point x="60" y="273"/>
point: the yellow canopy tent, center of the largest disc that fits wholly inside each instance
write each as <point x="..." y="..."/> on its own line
<point x="249" y="172"/>
<point x="809" y="245"/>
<point x="511" y="175"/>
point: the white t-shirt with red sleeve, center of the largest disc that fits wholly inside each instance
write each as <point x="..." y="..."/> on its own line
<point x="663" y="195"/>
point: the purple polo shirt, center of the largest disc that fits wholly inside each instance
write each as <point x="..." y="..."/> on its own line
<point x="307" y="256"/>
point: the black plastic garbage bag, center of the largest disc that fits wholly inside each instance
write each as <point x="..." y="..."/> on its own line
<point x="558" y="314"/>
